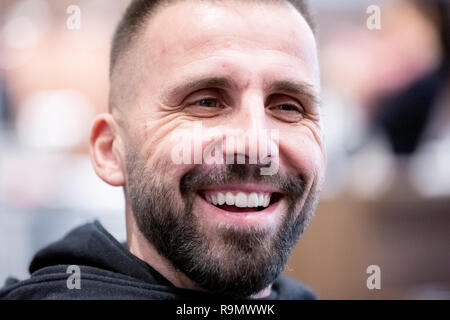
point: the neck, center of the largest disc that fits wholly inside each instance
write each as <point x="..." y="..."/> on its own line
<point x="144" y="250"/>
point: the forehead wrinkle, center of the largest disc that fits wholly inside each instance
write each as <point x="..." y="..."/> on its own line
<point x="218" y="70"/>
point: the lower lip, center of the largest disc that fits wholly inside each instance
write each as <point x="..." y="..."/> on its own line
<point x="264" y="217"/>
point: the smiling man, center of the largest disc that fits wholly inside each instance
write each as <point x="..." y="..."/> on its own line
<point x="247" y="73"/>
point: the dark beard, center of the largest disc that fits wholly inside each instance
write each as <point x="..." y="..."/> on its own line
<point x="252" y="258"/>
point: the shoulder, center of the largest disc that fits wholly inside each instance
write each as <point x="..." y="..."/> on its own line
<point x="54" y="283"/>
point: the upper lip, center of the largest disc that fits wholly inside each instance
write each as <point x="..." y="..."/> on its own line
<point x="243" y="187"/>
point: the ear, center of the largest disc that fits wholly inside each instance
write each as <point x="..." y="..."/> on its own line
<point x="106" y="151"/>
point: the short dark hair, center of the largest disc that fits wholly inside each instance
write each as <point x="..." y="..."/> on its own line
<point x="139" y="11"/>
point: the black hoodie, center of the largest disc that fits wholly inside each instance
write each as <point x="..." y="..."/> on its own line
<point x="109" y="271"/>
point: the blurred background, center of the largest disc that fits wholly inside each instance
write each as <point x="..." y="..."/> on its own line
<point x="386" y="112"/>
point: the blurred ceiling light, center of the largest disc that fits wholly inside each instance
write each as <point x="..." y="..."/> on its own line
<point x="26" y="23"/>
<point x="54" y="120"/>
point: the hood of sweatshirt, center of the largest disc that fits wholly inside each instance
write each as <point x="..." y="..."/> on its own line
<point x="109" y="271"/>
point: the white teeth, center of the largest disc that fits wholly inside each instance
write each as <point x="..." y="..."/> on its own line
<point x="252" y="200"/>
<point x="220" y="198"/>
<point x="229" y="199"/>
<point x="214" y="199"/>
<point x="266" y="200"/>
<point x="260" y="199"/>
<point x="241" y="199"/>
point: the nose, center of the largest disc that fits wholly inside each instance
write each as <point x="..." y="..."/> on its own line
<point x="250" y="114"/>
<point x="248" y="135"/>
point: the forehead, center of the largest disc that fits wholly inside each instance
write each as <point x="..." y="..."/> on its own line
<point x="191" y="34"/>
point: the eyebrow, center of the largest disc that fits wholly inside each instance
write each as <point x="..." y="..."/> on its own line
<point x="295" y="88"/>
<point x="200" y="83"/>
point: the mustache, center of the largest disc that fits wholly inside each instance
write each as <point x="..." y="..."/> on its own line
<point x="203" y="176"/>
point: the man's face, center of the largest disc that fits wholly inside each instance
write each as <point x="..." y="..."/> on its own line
<point x="226" y="66"/>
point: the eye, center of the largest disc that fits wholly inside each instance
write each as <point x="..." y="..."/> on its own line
<point x="285" y="108"/>
<point x="207" y="102"/>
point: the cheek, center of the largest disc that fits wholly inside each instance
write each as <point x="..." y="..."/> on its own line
<point x="303" y="154"/>
<point x="169" y="171"/>
<point x="155" y="145"/>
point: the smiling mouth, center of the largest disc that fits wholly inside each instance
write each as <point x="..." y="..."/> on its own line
<point x="240" y="201"/>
